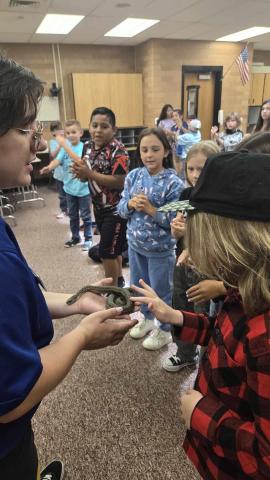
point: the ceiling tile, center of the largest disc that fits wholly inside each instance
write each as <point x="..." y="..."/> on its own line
<point x="179" y="19"/>
<point x="19" y="23"/>
<point x="14" y="38"/>
<point x="84" y="7"/>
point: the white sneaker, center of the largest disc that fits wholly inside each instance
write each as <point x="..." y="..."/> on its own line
<point x="157" y="339"/>
<point x="61" y="215"/>
<point x="141" y="328"/>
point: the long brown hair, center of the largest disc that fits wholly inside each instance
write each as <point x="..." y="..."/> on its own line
<point x="235" y="251"/>
<point x="160" y="134"/>
<point x="259" y="124"/>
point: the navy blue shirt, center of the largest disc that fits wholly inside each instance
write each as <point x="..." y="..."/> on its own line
<point x="25" y="326"/>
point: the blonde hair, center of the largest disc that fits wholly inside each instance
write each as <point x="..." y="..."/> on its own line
<point x="235" y="251"/>
<point x="206" y="147"/>
<point x="233" y="116"/>
<point x="69" y="123"/>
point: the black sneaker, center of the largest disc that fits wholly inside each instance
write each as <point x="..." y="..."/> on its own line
<point x="71" y="243"/>
<point x="175" y="363"/>
<point x="53" y="471"/>
<point x="121" y="282"/>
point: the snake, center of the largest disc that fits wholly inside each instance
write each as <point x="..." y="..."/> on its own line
<point x="115" y="296"/>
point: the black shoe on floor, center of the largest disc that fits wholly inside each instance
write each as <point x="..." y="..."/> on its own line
<point x="71" y="243"/>
<point x="53" y="471"/>
<point x="121" y="282"/>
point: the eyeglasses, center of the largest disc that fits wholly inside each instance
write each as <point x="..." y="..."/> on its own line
<point x="36" y="134"/>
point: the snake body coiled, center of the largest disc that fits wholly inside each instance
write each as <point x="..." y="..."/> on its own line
<point x="115" y="296"/>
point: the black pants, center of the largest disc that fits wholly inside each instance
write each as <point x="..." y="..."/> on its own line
<point x="22" y="461"/>
<point x="183" y="278"/>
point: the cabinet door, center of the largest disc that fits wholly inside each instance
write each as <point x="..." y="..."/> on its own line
<point x="257" y="86"/>
<point x="266" y="91"/>
<point x="120" y="92"/>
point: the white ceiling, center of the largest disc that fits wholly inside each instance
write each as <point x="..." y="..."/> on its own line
<point x="179" y="19"/>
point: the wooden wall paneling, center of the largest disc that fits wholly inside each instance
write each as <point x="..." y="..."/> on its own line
<point x="266" y="91"/>
<point x="257" y="87"/>
<point x="120" y="92"/>
<point x="91" y="90"/>
<point x="126" y="99"/>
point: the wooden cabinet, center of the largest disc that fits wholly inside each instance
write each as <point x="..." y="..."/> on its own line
<point x="120" y="92"/>
<point x="257" y="88"/>
<point x="266" y="90"/>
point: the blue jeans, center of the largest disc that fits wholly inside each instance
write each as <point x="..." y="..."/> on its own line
<point x="61" y="195"/>
<point x="156" y="272"/>
<point x="79" y="206"/>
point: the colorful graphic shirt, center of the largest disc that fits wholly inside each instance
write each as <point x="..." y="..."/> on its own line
<point x="111" y="159"/>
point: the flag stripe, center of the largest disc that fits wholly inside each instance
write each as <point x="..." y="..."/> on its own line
<point x="242" y="62"/>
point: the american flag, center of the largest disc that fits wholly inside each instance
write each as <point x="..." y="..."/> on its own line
<point x="242" y="62"/>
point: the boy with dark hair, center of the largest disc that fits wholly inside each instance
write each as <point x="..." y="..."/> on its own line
<point x="104" y="164"/>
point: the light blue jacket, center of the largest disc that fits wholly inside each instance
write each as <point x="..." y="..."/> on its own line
<point x="187" y="140"/>
<point x="150" y="235"/>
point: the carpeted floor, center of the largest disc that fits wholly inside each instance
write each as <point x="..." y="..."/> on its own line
<point x="115" y="417"/>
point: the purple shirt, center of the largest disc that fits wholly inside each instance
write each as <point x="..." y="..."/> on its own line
<point x="166" y="124"/>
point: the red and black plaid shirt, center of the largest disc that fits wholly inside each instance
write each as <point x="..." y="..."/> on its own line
<point x="229" y="436"/>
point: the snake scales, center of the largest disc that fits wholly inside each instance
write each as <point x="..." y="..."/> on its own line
<point x="115" y="296"/>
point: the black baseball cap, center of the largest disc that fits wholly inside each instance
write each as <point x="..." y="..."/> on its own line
<point x="234" y="185"/>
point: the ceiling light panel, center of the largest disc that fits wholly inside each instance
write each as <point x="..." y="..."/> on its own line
<point x="58" y="24"/>
<point x="131" y="27"/>
<point x="244" y="34"/>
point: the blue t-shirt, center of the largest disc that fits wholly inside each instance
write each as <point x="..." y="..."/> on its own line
<point x="72" y="186"/>
<point x="25" y="326"/>
<point x="58" y="173"/>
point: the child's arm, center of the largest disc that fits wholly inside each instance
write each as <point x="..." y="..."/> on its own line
<point x="184" y="139"/>
<point x="115" y="181"/>
<point x="52" y="165"/>
<point x="126" y="206"/>
<point x="189" y="327"/>
<point x="55" y="152"/>
<point x="63" y="144"/>
<point x="178" y="226"/>
<point x="206" y="290"/>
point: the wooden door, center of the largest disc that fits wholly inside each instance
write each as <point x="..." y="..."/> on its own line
<point x="205" y="100"/>
<point x="257" y="86"/>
